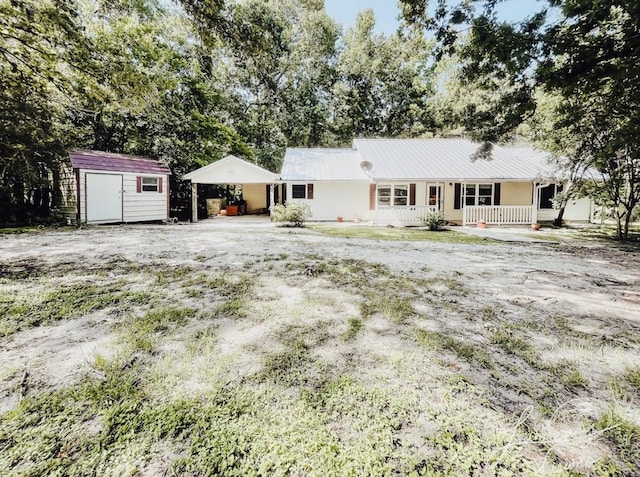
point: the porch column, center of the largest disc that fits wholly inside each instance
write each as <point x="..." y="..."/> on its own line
<point x="534" y="206"/>
<point x="463" y="201"/>
<point x="272" y="196"/>
<point x="375" y="198"/>
<point x="194" y="202"/>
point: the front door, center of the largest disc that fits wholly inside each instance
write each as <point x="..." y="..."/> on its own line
<point x="104" y="198"/>
<point x="434" y="196"/>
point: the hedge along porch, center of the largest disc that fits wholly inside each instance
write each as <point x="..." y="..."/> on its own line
<point x="258" y="184"/>
<point x="113" y="188"/>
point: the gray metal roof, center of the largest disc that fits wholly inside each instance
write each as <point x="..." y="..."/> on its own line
<point x="448" y="159"/>
<point x="406" y="159"/>
<point x="322" y="164"/>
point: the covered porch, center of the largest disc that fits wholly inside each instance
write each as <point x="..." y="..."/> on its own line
<point x="259" y="185"/>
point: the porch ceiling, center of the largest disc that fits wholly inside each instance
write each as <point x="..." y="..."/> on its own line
<point x="232" y="170"/>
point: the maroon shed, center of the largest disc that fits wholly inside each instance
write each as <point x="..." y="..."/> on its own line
<point x="113" y="188"/>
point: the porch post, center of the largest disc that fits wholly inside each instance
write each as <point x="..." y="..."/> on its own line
<point x="463" y="199"/>
<point x="376" y="205"/>
<point x="534" y="206"/>
<point x="194" y="202"/>
<point x="272" y="196"/>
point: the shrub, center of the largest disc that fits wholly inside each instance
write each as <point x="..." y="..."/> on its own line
<point x="434" y="220"/>
<point x="291" y="213"/>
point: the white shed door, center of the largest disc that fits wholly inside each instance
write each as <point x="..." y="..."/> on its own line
<point x="104" y="198"/>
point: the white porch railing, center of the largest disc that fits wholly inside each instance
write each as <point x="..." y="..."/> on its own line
<point x="498" y="214"/>
<point x="403" y="215"/>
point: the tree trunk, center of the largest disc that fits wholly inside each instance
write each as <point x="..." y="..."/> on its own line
<point x="627" y="222"/>
<point x="558" y="220"/>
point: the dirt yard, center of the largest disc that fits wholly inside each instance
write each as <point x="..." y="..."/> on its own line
<point x="233" y="347"/>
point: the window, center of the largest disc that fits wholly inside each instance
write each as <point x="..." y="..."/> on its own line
<point x="384" y="195"/>
<point x="149" y="184"/>
<point x="547" y="194"/>
<point x="477" y="194"/>
<point x="400" y="195"/>
<point x="396" y="195"/>
<point x="299" y="191"/>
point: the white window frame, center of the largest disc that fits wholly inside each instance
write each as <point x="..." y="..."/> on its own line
<point x="149" y="184"/>
<point x="393" y="197"/>
<point x="477" y="196"/>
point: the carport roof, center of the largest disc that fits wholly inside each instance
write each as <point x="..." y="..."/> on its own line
<point x="232" y="170"/>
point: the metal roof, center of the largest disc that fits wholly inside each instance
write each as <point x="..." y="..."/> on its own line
<point x="448" y="159"/>
<point x="108" y="161"/>
<point x="322" y="164"/>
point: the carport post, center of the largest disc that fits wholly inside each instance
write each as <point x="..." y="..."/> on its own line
<point x="194" y="202"/>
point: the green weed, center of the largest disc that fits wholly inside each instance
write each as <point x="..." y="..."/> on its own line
<point x="511" y="344"/>
<point x="355" y="325"/>
<point x="142" y="332"/>
<point x="623" y="434"/>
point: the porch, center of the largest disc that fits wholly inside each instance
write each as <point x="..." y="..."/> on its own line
<point x="499" y="214"/>
<point x="403" y="216"/>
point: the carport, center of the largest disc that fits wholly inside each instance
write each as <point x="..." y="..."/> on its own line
<point x="258" y="184"/>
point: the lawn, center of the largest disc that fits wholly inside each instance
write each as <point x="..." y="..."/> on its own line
<point x="397" y="233"/>
<point x="231" y="350"/>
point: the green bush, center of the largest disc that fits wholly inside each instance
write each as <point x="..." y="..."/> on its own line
<point x="291" y="214"/>
<point x="434" y="220"/>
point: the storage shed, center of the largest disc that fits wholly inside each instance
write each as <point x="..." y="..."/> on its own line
<point x="113" y="188"/>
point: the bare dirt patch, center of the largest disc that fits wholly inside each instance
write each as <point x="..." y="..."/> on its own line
<point x="230" y="346"/>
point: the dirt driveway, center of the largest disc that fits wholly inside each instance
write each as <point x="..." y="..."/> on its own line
<point x="342" y="356"/>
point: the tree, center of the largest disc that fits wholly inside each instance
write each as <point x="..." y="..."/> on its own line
<point x="39" y="49"/>
<point x="383" y="83"/>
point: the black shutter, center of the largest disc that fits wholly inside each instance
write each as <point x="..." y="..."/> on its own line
<point x="457" y="195"/>
<point x="496" y="193"/>
<point x="412" y="194"/>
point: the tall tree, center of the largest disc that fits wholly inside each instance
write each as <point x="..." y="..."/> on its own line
<point x="383" y="83"/>
<point x="39" y="47"/>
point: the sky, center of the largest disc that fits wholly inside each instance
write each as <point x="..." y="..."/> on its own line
<point x="386" y="11"/>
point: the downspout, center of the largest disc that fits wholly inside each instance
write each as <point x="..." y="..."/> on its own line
<point x="536" y="199"/>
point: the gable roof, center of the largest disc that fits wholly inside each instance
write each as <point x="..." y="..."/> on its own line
<point x="410" y="159"/>
<point x="108" y="161"/>
<point x="447" y="159"/>
<point x="322" y="164"/>
<point x="231" y="170"/>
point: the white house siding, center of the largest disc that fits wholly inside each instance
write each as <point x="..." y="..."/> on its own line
<point x="136" y="206"/>
<point x="349" y="200"/>
<point x="577" y="210"/>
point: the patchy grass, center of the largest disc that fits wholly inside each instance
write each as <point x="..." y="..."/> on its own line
<point x="316" y="364"/>
<point x="398" y="233"/>
<point x="69" y="301"/>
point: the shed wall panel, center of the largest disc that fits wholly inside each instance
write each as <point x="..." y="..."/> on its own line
<point x="136" y="207"/>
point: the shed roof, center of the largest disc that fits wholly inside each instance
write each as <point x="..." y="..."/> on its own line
<point x="322" y="164"/>
<point x="108" y="161"/>
<point x="448" y="159"/>
<point x="232" y="170"/>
